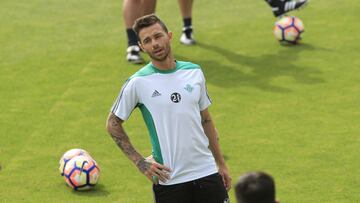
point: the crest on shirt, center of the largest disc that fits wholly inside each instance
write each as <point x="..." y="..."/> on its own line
<point x="188" y="88"/>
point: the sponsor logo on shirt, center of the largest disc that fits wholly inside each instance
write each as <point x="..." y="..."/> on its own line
<point x="156" y="94"/>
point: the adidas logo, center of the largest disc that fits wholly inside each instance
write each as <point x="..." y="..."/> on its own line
<point x="156" y="93"/>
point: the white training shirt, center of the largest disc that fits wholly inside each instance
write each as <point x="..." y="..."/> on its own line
<point x="170" y="102"/>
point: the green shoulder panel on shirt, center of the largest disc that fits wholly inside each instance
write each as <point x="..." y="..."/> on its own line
<point x="183" y="65"/>
<point x="150" y="69"/>
<point x="145" y="71"/>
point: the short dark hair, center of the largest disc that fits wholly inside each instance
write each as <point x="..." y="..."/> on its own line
<point x="255" y="187"/>
<point x="147" y="21"/>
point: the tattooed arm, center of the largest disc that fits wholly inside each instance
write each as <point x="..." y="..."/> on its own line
<point x="211" y="133"/>
<point x="118" y="134"/>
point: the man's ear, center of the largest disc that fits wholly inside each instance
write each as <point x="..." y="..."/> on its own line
<point x="141" y="47"/>
<point x="170" y="35"/>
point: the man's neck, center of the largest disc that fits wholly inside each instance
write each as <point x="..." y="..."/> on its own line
<point x="168" y="64"/>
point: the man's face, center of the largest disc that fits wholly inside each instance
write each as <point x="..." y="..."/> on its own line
<point x="155" y="41"/>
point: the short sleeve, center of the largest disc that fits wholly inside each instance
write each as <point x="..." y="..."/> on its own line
<point x="205" y="100"/>
<point x="126" y="101"/>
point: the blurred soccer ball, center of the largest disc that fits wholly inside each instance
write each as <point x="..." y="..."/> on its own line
<point x="81" y="173"/>
<point x="68" y="156"/>
<point x="288" y="29"/>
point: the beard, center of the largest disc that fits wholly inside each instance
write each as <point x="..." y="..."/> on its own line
<point x="162" y="57"/>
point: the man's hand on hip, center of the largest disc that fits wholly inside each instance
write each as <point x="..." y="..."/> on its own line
<point x="153" y="170"/>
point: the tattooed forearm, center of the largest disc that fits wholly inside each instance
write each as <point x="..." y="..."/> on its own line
<point x="122" y="140"/>
<point x="143" y="165"/>
<point x="118" y="134"/>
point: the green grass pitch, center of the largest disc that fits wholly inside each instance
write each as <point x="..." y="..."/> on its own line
<point x="292" y="111"/>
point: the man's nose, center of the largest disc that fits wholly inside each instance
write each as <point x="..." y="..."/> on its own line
<point x="155" y="43"/>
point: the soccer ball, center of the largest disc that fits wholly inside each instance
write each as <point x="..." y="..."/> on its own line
<point x="68" y="156"/>
<point x="81" y="173"/>
<point x="288" y="29"/>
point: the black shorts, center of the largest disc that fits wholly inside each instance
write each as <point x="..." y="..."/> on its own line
<point x="209" y="189"/>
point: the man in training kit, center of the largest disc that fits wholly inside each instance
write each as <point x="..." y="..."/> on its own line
<point x="172" y="97"/>
<point x="255" y="187"/>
